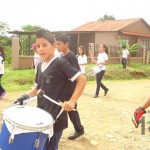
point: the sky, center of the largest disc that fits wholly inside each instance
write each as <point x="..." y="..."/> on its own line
<point x="65" y="15"/>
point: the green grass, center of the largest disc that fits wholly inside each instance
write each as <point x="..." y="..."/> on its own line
<point x="116" y="72"/>
<point x="18" y="80"/>
<point x="23" y="80"/>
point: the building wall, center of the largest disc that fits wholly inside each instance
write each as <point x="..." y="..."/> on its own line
<point x="108" y="38"/>
<point x="140" y="27"/>
<point x="25" y="62"/>
<point x="79" y="39"/>
<point x="85" y="39"/>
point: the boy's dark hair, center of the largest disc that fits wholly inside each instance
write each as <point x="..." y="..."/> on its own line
<point x="63" y="38"/>
<point x="123" y="46"/>
<point x="46" y="34"/>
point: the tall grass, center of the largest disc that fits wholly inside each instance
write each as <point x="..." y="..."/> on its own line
<point x="18" y="80"/>
<point x="116" y="72"/>
<point x="23" y="80"/>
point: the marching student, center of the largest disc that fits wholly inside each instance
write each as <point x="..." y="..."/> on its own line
<point x="63" y="43"/>
<point x="52" y="77"/>
<point x="102" y="61"/>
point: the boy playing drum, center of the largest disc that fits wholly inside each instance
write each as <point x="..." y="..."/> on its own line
<point x="52" y="76"/>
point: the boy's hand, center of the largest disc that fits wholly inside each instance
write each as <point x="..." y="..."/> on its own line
<point x="68" y="105"/>
<point x="21" y="99"/>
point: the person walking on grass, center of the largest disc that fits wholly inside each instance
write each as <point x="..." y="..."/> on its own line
<point x="125" y="54"/>
<point x="63" y="43"/>
<point x="102" y="61"/>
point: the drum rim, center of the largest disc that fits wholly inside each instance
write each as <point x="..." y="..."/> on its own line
<point x="31" y="128"/>
<point x="27" y="127"/>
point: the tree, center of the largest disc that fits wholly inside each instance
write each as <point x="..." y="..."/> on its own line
<point x="27" y="40"/>
<point x="106" y="17"/>
<point x="3" y="28"/>
<point x="30" y="28"/>
<point x="5" y="41"/>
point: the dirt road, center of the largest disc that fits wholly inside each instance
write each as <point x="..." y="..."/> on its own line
<point x="107" y="119"/>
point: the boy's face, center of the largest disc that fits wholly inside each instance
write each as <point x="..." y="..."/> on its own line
<point x="61" y="46"/>
<point x="45" y="49"/>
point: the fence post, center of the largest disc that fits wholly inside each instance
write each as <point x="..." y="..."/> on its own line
<point x="143" y="125"/>
<point x="144" y="55"/>
<point x="91" y="50"/>
<point x="15" y="52"/>
<point x="148" y="57"/>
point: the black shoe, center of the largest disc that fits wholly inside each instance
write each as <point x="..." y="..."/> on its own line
<point x="95" y="96"/>
<point x="105" y="92"/>
<point x="75" y="135"/>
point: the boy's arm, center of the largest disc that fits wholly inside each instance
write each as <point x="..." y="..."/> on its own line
<point x="33" y="91"/>
<point x="80" y="85"/>
<point x="30" y="93"/>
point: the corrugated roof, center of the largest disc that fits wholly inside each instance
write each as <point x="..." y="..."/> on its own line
<point x="135" y="33"/>
<point x="107" y="25"/>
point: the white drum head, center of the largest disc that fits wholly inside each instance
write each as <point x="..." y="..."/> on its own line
<point x="28" y="116"/>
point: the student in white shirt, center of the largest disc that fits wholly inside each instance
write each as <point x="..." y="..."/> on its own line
<point x="82" y="58"/>
<point x="37" y="59"/>
<point x="102" y="61"/>
<point x="125" y="53"/>
<point x="2" y="59"/>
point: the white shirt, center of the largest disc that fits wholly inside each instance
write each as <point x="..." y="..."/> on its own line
<point x="57" y="53"/>
<point x="102" y="57"/>
<point x="1" y="65"/>
<point x="82" y="60"/>
<point x="125" y="53"/>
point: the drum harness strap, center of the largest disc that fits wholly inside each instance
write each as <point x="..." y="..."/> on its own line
<point x="11" y="138"/>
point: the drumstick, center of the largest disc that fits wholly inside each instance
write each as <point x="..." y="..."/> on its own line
<point x="41" y="93"/>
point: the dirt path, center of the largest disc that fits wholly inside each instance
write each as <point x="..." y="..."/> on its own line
<point x="107" y="119"/>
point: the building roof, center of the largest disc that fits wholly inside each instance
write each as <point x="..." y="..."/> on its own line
<point x="108" y="25"/>
<point x="135" y="33"/>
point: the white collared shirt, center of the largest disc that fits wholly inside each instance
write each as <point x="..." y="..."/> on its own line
<point x="125" y="53"/>
<point x="102" y="57"/>
<point x="44" y="66"/>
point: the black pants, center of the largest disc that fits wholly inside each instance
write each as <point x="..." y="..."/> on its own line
<point x="1" y="88"/>
<point x="124" y="62"/>
<point x="99" y="77"/>
<point x="75" y="119"/>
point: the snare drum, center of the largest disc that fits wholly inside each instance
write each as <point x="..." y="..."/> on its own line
<point x="25" y="128"/>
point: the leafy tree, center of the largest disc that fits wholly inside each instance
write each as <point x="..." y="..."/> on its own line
<point x="3" y="28"/>
<point x="26" y="41"/>
<point x="106" y="17"/>
<point x="30" y="28"/>
<point x="5" y="41"/>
